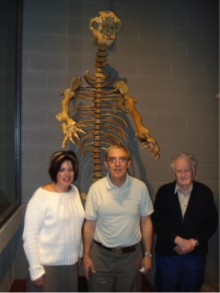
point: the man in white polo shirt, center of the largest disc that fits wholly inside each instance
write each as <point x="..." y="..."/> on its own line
<point x="118" y="210"/>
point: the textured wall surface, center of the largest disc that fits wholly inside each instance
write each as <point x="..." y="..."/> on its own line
<point x="167" y="52"/>
<point x="13" y="264"/>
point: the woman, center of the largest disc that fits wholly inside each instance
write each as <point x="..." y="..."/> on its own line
<point x="52" y="229"/>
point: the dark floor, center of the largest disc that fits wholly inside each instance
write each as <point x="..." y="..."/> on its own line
<point x="20" y="285"/>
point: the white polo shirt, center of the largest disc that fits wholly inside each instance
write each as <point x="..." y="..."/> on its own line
<point x="117" y="210"/>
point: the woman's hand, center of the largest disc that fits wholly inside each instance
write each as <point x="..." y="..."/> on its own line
<point x="39" y="282"/>
<point x="79" y="261"/>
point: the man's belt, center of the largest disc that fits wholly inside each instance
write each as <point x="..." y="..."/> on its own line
<point x="117" y="250"/>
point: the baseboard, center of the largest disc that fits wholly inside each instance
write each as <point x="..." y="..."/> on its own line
<point x="18" y="286"/>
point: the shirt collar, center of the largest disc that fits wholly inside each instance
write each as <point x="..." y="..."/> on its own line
<point x="110" y="185"/>
<point x="177" y="188"/>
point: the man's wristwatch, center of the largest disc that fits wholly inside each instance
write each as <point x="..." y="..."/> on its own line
<point x="148" y="254"/>
<point x="196" y="242"/>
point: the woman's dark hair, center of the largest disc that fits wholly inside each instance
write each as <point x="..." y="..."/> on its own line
<point x="57" y="160"/>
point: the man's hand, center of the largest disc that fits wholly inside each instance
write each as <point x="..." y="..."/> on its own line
<point x="88" y="234"/>
<point x="147" y="239"/>
<point x="178" y="250"/>
<point x="146" y="264"/>
<point x="184" y="245"/>
<point x="39" y="282"/>
<point x="87" y="266"/>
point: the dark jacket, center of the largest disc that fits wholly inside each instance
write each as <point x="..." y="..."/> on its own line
<point x="200" y="219"/>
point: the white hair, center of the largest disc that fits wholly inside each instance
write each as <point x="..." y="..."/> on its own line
<point x="189" y="157"/>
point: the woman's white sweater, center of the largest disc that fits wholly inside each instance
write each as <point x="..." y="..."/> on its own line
<point x="52" y="229"/>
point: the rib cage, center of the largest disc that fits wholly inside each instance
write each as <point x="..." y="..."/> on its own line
<point x="98" y="125"/>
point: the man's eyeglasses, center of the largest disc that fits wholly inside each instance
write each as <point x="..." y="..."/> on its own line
<point x="121" y="160"/>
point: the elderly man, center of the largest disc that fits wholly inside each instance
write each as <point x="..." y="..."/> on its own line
<point x="184" y="218"/>
<point x="118" y="210"/>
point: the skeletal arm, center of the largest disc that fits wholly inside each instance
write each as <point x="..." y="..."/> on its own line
<point x="142" y="132"/>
